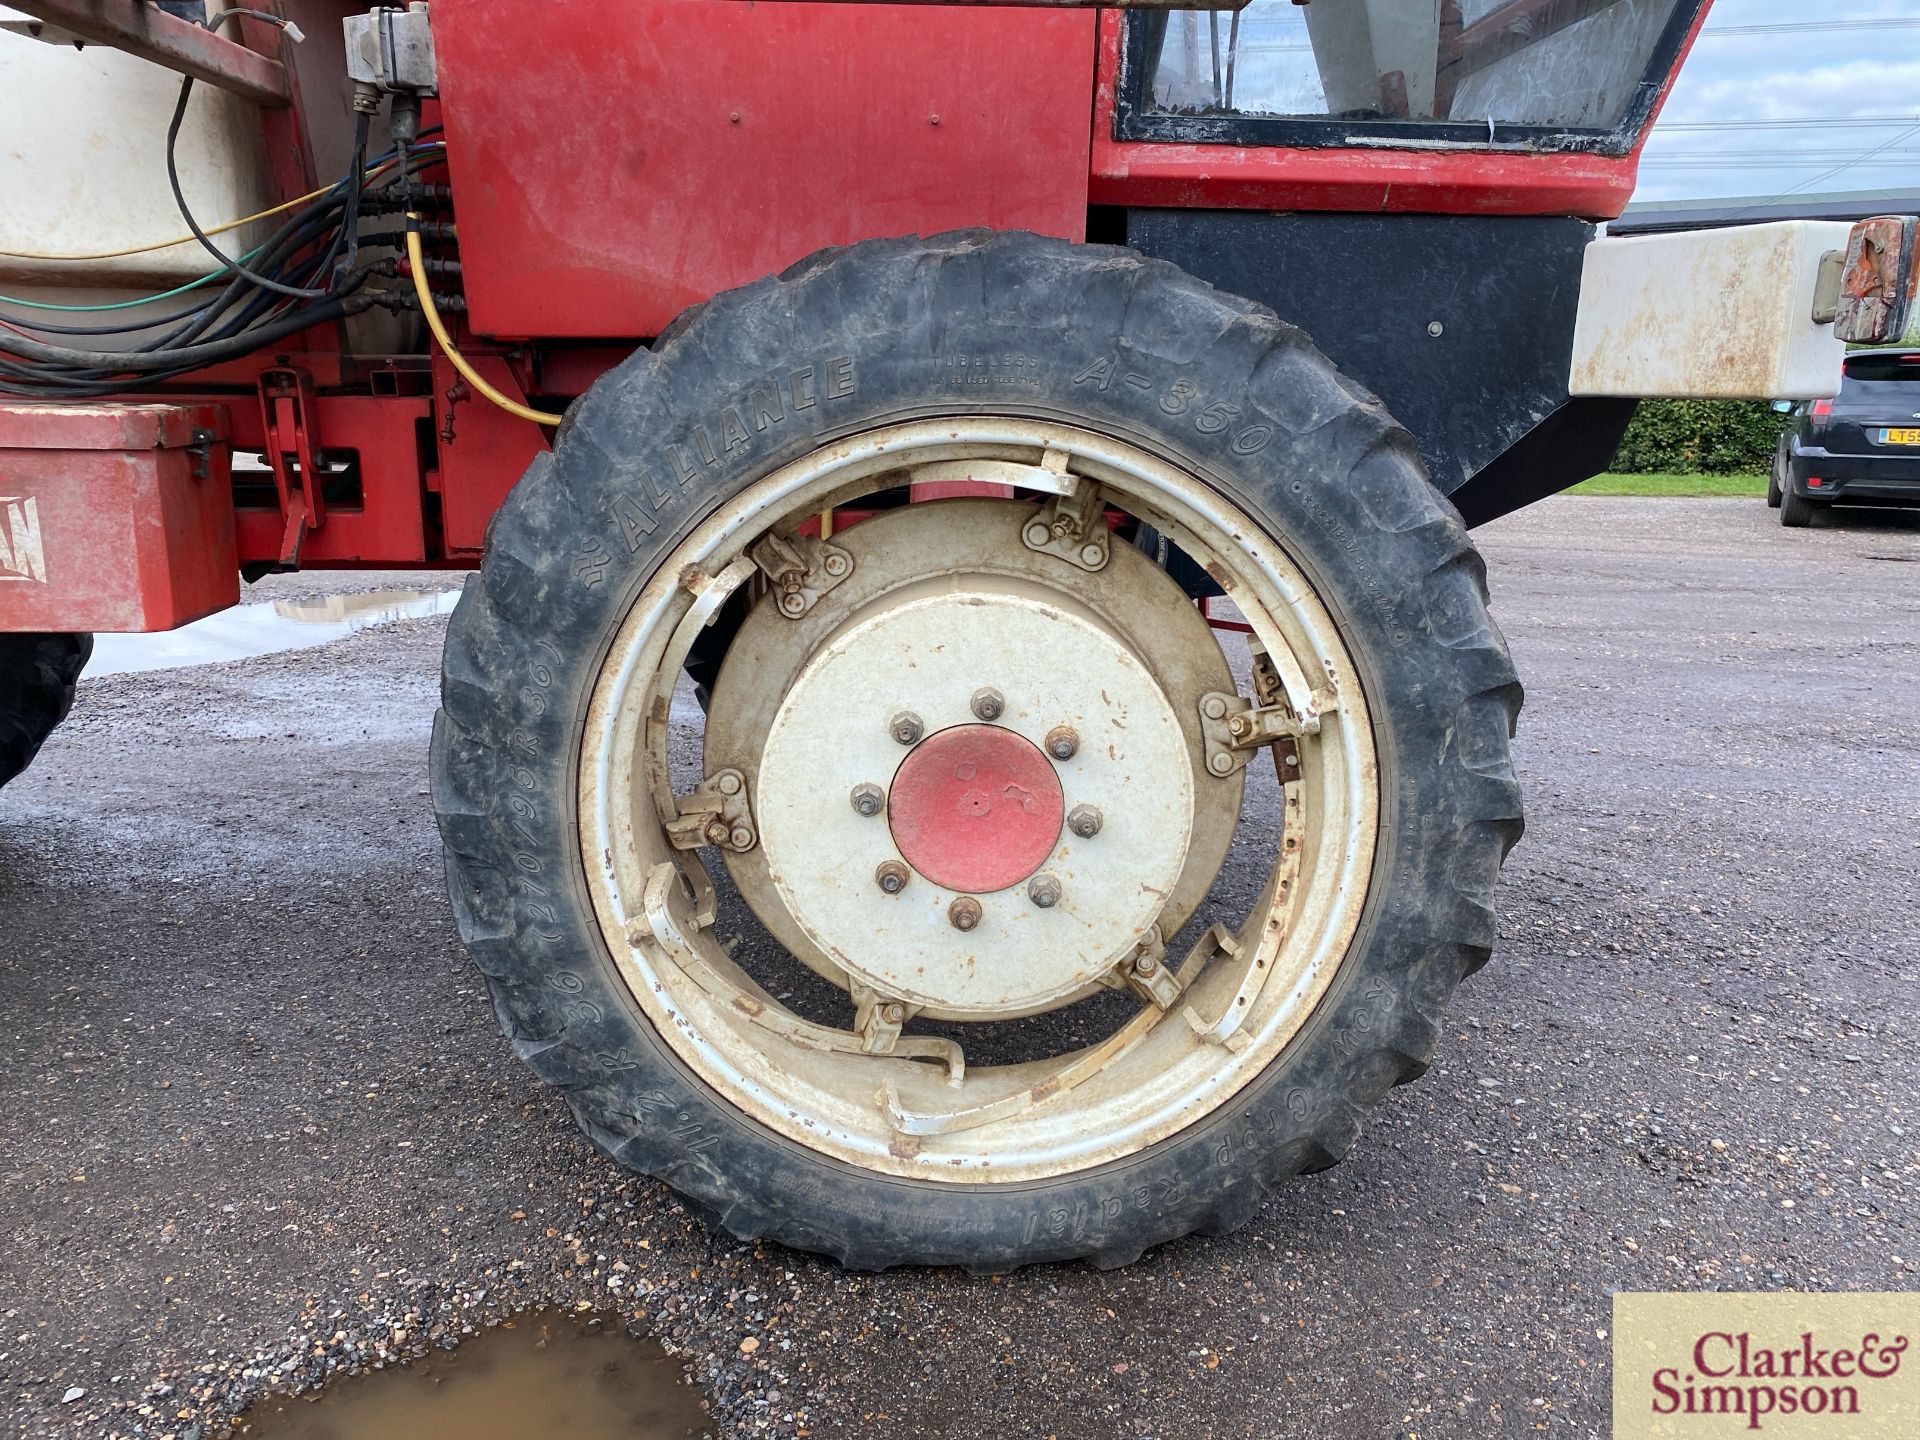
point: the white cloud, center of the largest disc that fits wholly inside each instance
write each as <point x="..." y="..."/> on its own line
<point x="1800" y="74"/>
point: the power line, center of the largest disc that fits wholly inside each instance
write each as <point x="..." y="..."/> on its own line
<point x="1859" y="159"/>
<point x="1815" y="122"/>
<point x="1901" y="158"/>
<point x="1781" y="27"/>
<point x="1773" y="153"/>
<point x="1783" y="162"/>
<point x="1904" y="162"/>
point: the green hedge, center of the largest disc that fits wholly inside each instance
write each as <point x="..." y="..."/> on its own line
<point x="1699" y="437"/>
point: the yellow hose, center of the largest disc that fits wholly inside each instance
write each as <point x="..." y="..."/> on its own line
<point x="416" y="258"/>
<point x="182" y="239"/>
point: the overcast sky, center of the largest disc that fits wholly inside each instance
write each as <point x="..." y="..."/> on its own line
<point x="1830" y="66"/>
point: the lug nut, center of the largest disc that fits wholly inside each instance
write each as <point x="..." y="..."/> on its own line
<point x="1062" y="742"/>
<point x="835" y="565"/>
<point x="1221" y="764"/>
<point x="1092" y="554"/>
<point x="964" y="913"/>
<point x="1214" y="708"/>
<point x="988" y="703"/>
<point x="792" y="603"/>
<point x="868" y="799"/>
<point x="891" y="877"/>
<point x="1085" y="821"/>
<point x="906" y="728"/>
<point x="717" y="832"/>
<point x="1145" y="963"/>
<point x="1038" y="534"/>
<point x="893" y="1012"/>
<point x="1044" y="891"/>
<point x="741" y="837"/>
<point x="729" y="783"/>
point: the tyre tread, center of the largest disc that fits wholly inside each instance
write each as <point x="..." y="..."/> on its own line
<point x="503" y="612"/>
<point x="38" y="675"/>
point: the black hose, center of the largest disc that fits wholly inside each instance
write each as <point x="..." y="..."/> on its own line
<point x="350" y="225"/>
<point x="53" y="385"/>
<point x="227" y="262"/>
<point x="197" y="318"/>
<point x="274" y="245"/>
<point x="191" y="356"/>
<point x="294" y="236"/>
<point x="235" y="12"/>
<point x="255" y="308"/>
<point x="277" y="244"/>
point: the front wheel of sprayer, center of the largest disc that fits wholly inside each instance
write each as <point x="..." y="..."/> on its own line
<point x="994" y="911"/>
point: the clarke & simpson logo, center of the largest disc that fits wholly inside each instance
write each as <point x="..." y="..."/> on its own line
<point x="1734" y="1375"/>
<point x="1784" y="1365"/>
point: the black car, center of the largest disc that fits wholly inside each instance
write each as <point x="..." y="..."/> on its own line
<point x="1860" y="448"/>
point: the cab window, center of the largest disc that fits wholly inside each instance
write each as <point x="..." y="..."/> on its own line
<point x="1474" y="72"/>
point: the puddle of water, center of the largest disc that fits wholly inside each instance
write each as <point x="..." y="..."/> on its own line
<point x="264" y="629"/>
<point x="542" y="1373"/>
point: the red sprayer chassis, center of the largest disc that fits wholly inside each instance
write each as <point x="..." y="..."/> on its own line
<point x="585" y="227"/>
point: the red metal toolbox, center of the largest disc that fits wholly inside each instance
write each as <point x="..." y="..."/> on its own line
<point x="114" y="517"/>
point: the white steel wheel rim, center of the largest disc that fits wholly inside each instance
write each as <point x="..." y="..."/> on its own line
<point x="1161" y="1072"/>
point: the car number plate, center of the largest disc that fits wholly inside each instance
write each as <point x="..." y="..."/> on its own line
<point x="1907" y="436"/>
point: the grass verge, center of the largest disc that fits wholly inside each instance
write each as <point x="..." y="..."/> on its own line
<point x="1688" y="487"/>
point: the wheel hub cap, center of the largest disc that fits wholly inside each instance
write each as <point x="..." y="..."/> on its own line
<point x="973" y="808"/>
<point x="976" y="808"/>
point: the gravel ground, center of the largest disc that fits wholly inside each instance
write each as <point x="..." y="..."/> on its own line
<point x="263" y="1127"/>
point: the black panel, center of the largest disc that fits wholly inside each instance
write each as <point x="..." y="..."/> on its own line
<point x="1502" y="289"/>
<point x="1576" y="441"/>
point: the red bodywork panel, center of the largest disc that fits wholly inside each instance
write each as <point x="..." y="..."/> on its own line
<point x="483" y="451"/>
<point x="114" y="517"/>
<point x="615" y="164"/>
<point x="391" y="438"/>
<point x="388" y="526"/>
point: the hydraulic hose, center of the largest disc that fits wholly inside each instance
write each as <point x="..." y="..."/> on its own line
<point x="417" y="261"/>
<point x="191" y="356"/>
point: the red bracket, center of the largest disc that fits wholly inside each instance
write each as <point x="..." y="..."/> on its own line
<point x="286" y="402"/>
<point x="1220" y="622"/>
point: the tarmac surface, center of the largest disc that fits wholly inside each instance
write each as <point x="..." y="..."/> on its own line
<point x="262" y="1128"/>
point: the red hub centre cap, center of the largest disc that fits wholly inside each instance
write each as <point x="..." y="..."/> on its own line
<point x="975" y="808"/>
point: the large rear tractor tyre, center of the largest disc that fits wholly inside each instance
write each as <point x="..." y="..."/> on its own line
<point x="972" y="766"/>
<point x="37" y="676"/>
